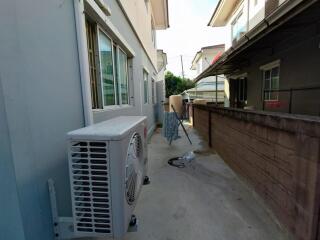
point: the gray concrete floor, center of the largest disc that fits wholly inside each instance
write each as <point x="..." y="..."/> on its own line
<point x="205" y="201"/>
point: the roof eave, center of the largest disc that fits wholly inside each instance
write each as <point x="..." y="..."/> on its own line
<point x="223" y="12"/>
<point x="195" y="60"/>
<point x="214" y="13"/>
<point x="164" y="23"/>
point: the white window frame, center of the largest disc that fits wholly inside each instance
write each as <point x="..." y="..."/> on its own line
<point x="118" y="99"/>
<point x="269" y="67"/>
<point x="104" y="21"/>
<point x="127" y="77"/>
<point x="113" y="68"/>
<point x="153" y="91"/>
<point x="100" y="13"/>
<point x="146" y="87"/>
<point x="115" y="72"/>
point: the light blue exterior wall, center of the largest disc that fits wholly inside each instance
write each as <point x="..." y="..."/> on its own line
<point x="10" y="222"/>
<point x="40" y="101"/>
<point x="42" y="97"/>
<point x="139" y="62"/>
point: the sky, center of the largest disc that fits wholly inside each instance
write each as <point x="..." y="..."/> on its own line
<point x="188" y="33"/>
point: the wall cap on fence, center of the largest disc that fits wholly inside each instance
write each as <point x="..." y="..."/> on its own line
<point x="298" y="124"/>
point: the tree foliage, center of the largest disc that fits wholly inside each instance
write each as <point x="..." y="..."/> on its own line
<point x="176" y="85"/>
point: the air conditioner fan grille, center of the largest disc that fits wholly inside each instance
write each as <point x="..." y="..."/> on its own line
<point x="134" y="159"/>
<point x="89" y="164"/>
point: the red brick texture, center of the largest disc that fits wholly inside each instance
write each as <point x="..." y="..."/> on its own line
<point x="201" y="123"/>
<point x="277" y="154"/>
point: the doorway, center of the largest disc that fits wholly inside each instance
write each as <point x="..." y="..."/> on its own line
<point x="238" y="92"/>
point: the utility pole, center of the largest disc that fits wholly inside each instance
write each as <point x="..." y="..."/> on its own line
<point x="182" y="66"/>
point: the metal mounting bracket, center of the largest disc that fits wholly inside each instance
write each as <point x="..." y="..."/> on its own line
<point x="62" y="226"/>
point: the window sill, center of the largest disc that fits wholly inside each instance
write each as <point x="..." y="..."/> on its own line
<point x="112" y="108"/>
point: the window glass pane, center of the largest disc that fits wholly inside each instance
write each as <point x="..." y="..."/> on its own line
<point x="275" y="72"/>
<point x="267" y="84"/>
<point x="240" y="89"/>
<point x="153" y="92"/>
<point x="94" y="82"/>
<point x="271" y="82"/>
<point x="123" y="77"/>
<point x="267" y="95"/>
<point x="274" y="96"/>
<point x="106" y="63"/>
<point x="275" y="78"/>
<point x="115" y="64"/>
<point x="234" y="30"/>
<point x="267" y="75"/>
<point x="239" y="26"/>
<point x="145" y="86"/>
<point x="275" y="83"/>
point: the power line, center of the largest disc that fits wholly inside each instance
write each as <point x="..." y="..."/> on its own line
<point x="178" y="56"/>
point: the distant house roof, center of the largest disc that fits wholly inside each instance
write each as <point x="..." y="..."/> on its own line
<point x="198" y="54"/>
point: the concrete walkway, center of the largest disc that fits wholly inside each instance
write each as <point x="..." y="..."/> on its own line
<point x="204" y="201"/>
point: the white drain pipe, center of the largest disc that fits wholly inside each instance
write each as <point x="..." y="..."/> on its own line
<point x="83" y="60"/>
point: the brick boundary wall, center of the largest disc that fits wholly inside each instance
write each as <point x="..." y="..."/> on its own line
<point x="277" y="154"/>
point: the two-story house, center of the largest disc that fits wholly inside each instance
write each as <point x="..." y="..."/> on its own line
<point x="65" y="65"/>
<point x="272" y="64"/>
<point x="206" y="87"/>
<point x="272" y="50"/>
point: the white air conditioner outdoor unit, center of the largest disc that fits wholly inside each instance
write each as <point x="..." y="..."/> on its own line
<point x="107" y="163"/>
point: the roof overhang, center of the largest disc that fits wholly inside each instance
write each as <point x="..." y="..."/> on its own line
<point x="202" y="51"/>
<point x="222" y="12"/>
<point x="195" y="60"/>
<point x="273" y="29"/>
<point x="160" y="11"/>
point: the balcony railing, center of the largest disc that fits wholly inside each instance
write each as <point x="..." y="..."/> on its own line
<point x="303" y="100"/>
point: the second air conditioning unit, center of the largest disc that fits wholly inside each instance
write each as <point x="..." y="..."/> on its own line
<point x="107" y="163"/>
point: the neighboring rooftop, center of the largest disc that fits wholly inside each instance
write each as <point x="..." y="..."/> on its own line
<point x="215" y="49"/>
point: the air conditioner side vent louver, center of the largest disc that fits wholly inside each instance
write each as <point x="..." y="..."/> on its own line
<point x="90" y="187"/>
